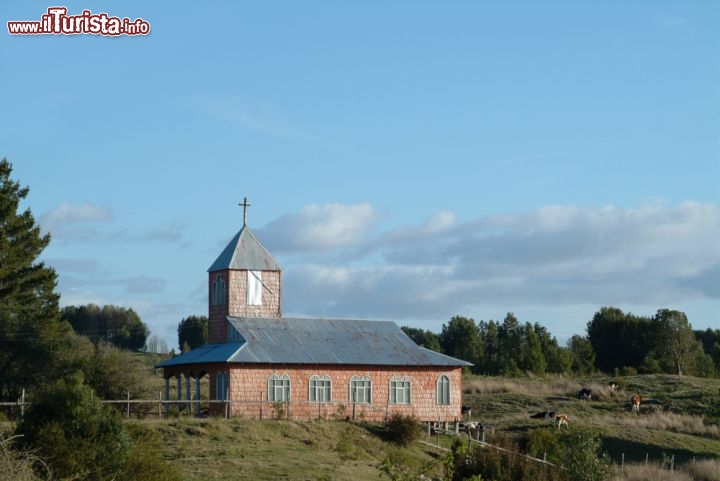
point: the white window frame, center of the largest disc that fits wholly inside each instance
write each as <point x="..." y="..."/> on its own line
<point x="443" y="390"/>
<point x="400" y="390"/>
<point x="360" y="390"/>
<point x="320" y="389"/>
<point x="279" y="388"/>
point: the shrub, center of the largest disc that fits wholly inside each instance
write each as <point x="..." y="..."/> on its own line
<point x="583" y="459"/>
<point x="403" y="429"/>
<point x="544" y="444"/>
<point x="74" y="433"/>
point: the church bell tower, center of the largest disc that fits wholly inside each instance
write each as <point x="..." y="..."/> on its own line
<point x="244" y="281"/>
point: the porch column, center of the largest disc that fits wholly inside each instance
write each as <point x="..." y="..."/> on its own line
<point x="179" y="386"/>
<point x="167" y="391"/>
<point x="197" y="396"/>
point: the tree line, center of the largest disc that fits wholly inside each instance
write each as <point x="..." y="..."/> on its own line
<point x="615" y="343"/>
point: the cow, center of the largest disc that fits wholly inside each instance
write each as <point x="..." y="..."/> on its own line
<point x="613" y="385"/>
<point x="635" y="400"/>
<point x="543" y="415"/>
<point x="467" y="411"/>
<point x="562" y="420"/>
<point x="585" y="394"/>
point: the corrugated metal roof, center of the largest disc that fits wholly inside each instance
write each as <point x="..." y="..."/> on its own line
<point x="317" y="341"/>
<point x="245" y="252"/>
<point x="204" y="354"/>
<point x="330" y="341"/>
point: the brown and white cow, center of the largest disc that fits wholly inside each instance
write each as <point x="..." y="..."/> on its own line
<point x="635" y="400"/>
<point x="562" y="420"/>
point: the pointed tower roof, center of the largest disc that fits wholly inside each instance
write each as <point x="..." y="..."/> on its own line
<point x="245" y="252"/>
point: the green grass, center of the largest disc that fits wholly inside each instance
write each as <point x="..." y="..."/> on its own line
<point x="680" y="416"/>
<point x="221" y="449"/>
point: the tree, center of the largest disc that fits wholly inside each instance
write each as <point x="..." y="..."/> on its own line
<point x="193" y="330"/>
<point x="426" y="339"/>
<point x="532" y="358"/>
<point x="510" y="335"/>
<point x="117" y="325"/>
<point x="76" y="434"/>
<point x="584" y="461"/>
<point x="489" y="336"/>
<point x="30" y="328"/>
<point x="619" y="339"/>
<point x="676" y="339"/>
<point x="582" y="355"/>
<point x="558" y="359"/>
<point x="460" y="338"/>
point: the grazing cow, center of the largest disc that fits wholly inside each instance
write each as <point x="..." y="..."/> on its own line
<point x="543" y="415"/>
<point x="585" y="394"/>
<point x="467" y="411"/>
<point x="635" y="400"/>
<point x="613" y="385"/>
<point x="562" y="420"/>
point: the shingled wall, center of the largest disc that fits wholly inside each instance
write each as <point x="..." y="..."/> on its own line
<point x="249" y="388"/>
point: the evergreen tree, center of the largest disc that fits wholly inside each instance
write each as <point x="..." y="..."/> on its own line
<point x="117" y="325"/>
<point x="30" y="326"/>
<point x="192" y="332"/>
<point x="423" y="338"/>
<point x="510" y="335"/>
<point x="532" y="358"/>
<point x="582" y="355"/>
<point x="460" y="338"/>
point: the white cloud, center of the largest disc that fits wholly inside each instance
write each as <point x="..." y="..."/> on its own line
<point x="57" y="220"/>
<point x="555" y="256"/>
<point x="321" y="227"/>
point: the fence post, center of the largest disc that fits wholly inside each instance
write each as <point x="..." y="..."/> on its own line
<point x="128" y="404"/>
<point x="22" y="403"/>
<point x="160" y="406"/>
<point x="622" y="462"/>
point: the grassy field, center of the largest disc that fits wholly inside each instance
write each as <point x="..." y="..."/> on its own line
<point x="679" y="421"/>
<point x="220" y="449"/>
<point x="679" y="417"/>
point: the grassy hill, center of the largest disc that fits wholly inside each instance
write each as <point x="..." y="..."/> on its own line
<point x="679" y="417"/>
<point x="679" y="420"/>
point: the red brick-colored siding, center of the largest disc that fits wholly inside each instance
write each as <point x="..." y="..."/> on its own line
<point x="249" y="391"/>
<point x="236" y="283"/>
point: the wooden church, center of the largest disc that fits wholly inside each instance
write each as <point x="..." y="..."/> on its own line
<point x="263" y="365"/>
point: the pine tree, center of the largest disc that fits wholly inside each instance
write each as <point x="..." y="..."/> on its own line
<point x="30" y="329"/>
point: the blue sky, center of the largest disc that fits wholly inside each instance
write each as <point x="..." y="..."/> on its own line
<point x="407" y="161"/>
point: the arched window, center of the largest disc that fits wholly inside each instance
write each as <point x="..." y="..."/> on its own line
<point x="222" y="384"/>
<point x="400" y="390"/>
<point x="279" y="388"/>
<point x="443" y="390"/>
<point x="320" y="390"/>
<point x="218" y="293"/>
<point x="360" y="390"/>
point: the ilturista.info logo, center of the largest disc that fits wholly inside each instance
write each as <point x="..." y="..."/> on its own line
<point x="57" y="22"/>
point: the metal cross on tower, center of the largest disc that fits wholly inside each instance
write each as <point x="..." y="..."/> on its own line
<point x="245" y="205"/>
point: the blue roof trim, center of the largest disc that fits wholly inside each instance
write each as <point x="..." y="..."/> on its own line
<point x="204" y="354"/>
